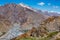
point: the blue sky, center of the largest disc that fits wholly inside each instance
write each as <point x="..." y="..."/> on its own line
<point x="46" y="5"/>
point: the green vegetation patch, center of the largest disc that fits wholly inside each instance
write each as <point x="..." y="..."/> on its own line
<point x="48" y="37"/>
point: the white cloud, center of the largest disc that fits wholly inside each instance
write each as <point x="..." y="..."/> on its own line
<point x="51" y="11"/>
<point x="55" y="12"/>
<point x="55" y="7"/>
<point x="41" y="3"/>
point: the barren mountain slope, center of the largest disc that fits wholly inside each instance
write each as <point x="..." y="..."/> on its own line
<point x="21" y="14"/>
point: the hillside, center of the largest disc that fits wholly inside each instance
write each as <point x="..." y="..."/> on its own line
<point x="49" y="29"/>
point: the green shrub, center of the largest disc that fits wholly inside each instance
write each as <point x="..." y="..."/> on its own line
<point x="52" y="34"/>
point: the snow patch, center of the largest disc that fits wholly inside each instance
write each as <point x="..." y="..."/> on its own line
<point x="26" y="6"/>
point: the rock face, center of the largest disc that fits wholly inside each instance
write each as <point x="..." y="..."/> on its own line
<point x="24" y="15"/>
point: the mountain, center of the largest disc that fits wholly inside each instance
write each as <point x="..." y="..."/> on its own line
<point x="21" y="14"/>
<point x="26" y="18"/>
